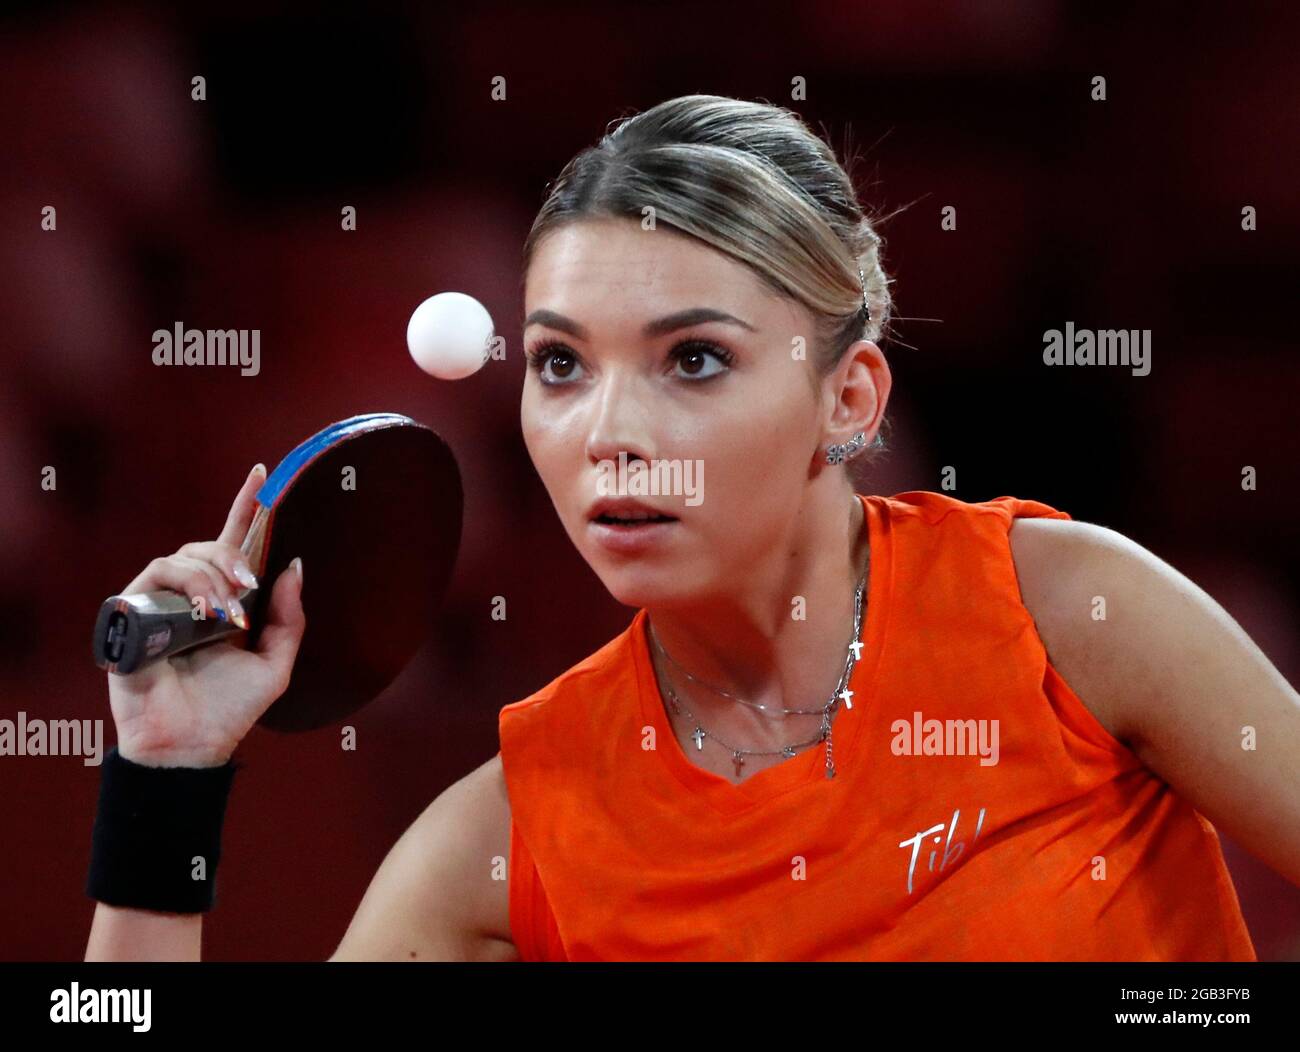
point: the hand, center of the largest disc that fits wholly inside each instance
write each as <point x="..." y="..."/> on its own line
<point x="192" y="710"/>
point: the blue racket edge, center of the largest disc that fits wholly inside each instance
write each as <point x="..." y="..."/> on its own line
<point x="137" y="630"/>
<point x="308" y="450"/>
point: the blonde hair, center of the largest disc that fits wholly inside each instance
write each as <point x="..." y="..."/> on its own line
<point x="751" y="180"/>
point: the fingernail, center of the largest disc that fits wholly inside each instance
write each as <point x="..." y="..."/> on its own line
<point x="237" y="613"/>
<point x="259" y="469"/>
<point x="245" y="576"/>
<point x="297" y="567"/>
<point x="214" y="604"/>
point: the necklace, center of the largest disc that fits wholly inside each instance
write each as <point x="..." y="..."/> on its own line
<point x="827" y="711"/>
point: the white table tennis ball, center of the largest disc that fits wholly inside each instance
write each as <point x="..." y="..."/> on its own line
<point x="449" y="335"/>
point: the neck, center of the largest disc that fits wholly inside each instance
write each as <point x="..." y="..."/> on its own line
<point x="747" y="641"/>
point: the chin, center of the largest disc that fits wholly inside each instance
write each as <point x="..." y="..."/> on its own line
<point x="642" y="584"/>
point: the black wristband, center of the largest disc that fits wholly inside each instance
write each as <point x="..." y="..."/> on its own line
<point x="153" y="826"/>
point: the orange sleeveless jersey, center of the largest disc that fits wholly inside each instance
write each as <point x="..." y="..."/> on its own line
<point x="1065" y="848"/>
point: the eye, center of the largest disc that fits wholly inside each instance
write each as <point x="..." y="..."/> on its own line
<point x="695" y="355"/>
<point x="545" y="354"/>
<point x="557" y="365"/>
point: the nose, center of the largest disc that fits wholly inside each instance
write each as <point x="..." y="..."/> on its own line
<point x="620" y="421"/>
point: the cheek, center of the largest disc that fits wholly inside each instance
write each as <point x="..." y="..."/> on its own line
<point x="528" y="423"/>
<point x="534" y="422"/>
<point x="549" y="436"/>
<point x="538" y="441"/>
<point x="752" y="440"/>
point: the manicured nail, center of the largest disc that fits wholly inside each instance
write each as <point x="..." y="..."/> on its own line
<point x="237" y="613"/>
<point x="259" y="469"/>
<point x="244" y="575"/>
<point x="214" y="605"/>
<point x="297" y="567"/>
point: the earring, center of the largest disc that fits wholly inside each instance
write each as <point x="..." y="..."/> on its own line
<point x="841" y="452"/>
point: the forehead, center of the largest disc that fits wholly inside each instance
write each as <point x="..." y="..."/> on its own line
<point x="591" y="262"/>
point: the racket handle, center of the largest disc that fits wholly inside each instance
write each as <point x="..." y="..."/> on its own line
<point x="134" y="631"/>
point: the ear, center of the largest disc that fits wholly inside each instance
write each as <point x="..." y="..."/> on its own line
<point x="859" y="390"/>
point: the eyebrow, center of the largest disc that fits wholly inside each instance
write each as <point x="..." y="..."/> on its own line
<point x="659" y="327"/>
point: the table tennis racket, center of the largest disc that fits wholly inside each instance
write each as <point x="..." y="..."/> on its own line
<point x="373" y="505"/>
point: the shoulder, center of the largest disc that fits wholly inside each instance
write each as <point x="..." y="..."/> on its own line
<point x="472" y="815"/>
<point x="1170" y="673"/>
<point x="1037" y="545"/>
<point x="1115" y="619"/>
<point x="945" y="517"/>
<point x="1056" y="560"/>
<point x="1068" y="572"/>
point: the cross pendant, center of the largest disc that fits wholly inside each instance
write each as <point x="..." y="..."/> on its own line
<point x="698" y="735"/>
<point x="738" y="760"/>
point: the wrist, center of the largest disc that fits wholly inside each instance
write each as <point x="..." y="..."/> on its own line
<point x="194" y="756"/>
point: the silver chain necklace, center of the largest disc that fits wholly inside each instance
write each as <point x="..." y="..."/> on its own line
<point x="827" y="711"/>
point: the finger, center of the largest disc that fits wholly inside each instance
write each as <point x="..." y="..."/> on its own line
<point x="220" y="595"/>
<point x="243" y="509"/>
<point x="186" y="576"/>
<point x="226" y="557"/>
<point x="285" y="623"/>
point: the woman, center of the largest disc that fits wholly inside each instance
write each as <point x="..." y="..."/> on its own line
<point x="839" y="726"/>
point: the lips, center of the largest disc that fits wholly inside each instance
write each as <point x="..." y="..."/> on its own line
<point x="622" y="511"/>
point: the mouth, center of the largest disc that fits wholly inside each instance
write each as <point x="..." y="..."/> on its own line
<point x="631" y="522"/>
<point x="625" y="514"/>
<point x="628" y="528"/>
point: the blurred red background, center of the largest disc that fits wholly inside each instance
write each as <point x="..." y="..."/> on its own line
<point x="225" y="213"/>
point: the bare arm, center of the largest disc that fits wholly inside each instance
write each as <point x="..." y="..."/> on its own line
<point x="440" y="894"/>
<point x="1173" y="676"/>
<point x="121" y="934"/>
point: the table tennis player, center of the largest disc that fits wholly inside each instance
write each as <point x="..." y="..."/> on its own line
<point x="839" y="726"/>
